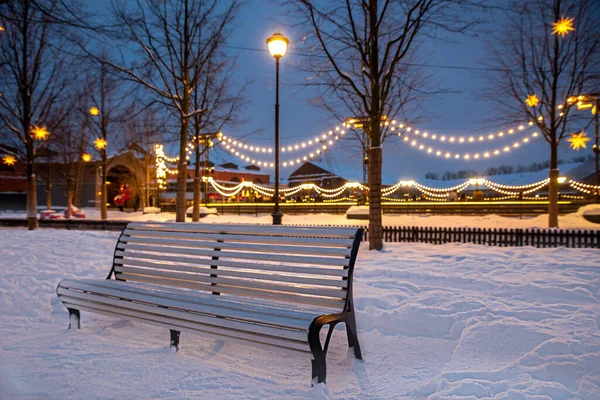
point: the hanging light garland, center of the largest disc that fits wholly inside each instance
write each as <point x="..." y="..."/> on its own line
<point x="584" y="187"/>
<point x="468" y="156"/>
<point x="461" y="139"/>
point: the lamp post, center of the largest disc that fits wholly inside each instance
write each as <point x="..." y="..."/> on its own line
<point x="277" y="45"/>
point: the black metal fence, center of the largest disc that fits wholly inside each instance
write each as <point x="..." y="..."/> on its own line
<point x="493" y="237"/>
<point x="401" y="234"/>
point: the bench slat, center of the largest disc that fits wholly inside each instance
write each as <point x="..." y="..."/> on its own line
<point x="70" y="295"/>
<point x="238" y="255"/>
<point x="233" y="282"/>
<point x="284" y="314"/>
<point x="245" y="314"/>
<point x="252" y="247"/>
<point x="337" y="304"/>
<point x="322" y="241"/>
<point x="269" y="230"/>
<point x="339" y="272"/>
<point x="180" y="325"/>
<point x="235" y="273"/>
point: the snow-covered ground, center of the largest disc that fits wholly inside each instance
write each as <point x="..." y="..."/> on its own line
<point x="569" y="221"/>
<point x="439" y="322"/>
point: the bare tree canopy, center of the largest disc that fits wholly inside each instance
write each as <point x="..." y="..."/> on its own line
<point x="34" y="78"/>
<point x="547" y="68"/>
<point x="171" y="42"/>
<point x="360" y="60"/>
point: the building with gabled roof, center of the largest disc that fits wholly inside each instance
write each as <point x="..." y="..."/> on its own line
<point x="310" y="172"/>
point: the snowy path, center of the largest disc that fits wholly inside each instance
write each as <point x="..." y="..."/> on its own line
<point x="438" y="322"/>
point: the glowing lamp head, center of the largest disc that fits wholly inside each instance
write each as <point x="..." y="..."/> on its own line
<point x="94" y="111"/>
<point x="1" y="28"/>
<point x="277" y="45"/>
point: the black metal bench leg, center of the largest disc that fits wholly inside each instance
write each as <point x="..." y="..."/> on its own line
<point x="351" y="332"/>
<point x="74" y="318"/>
<point x="175" y="339"/>
<point x="319" y="368"/>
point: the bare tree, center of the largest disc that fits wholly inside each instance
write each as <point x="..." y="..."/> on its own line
<point x="537" y="61"/>
<point x="33" y="80"/>
<point x="69" y="140"/>
<point x="173" y="39"/>
<point x="110" y="106"/>
<point x="360" y="49"/>
<point x="143" y="131"/>
<point x="222" y="105"/>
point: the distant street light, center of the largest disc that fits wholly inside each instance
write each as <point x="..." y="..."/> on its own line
<point x="277" y="45"/>
<point x="94" y="111"/>
<point x="86" y="157"/>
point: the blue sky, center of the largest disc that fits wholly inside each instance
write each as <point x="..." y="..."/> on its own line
<point x="460" y="113"/>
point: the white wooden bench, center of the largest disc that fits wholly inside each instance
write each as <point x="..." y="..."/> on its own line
<point x="268" y="286"/>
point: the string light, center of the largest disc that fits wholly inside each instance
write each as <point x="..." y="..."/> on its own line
<point x="468" y="156"/>
<point x="467" y="139"/>
<point x="584" y="187"/>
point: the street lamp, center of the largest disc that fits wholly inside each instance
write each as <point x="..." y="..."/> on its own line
<point x="277" y="45"/>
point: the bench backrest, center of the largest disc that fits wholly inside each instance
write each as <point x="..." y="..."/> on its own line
<point x="299" y="265"/>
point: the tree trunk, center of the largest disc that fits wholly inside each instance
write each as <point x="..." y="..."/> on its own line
<point x="375" y="225"/>
<point x="49" y="195"/>
<point x="32" y="221"/>
<point x="553" y="186"/>
<point x="104" y="194"/>
<point x="197" y="181"/>
<point x="69" y="210"/>
<point x="196" y="213"/>
<point x="180" y="202"/>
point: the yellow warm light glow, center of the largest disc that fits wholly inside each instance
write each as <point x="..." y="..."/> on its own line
<point x="9" y="160"/>
<point x="563" y="26"/>
<point x="40" y="133"/>
<point x="94" y="111"/>
<point x="1" y="28"/>
<point x="578" y="140"/>
<point x="86" y="157"/>
<point x="278" y="45"/>
<point x="100" y="143"/>
<point x="532" y="100"/>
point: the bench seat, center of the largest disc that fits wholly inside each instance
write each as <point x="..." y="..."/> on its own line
<point x="262" y="322"/>
<point x="268" y="286"/>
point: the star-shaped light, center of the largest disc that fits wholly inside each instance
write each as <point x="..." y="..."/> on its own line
<point x="40" y="133"/>
<point x="86" y="157"/>
<point x="100" y="143"/>
<point x="94" y="111"/>
<point x="9" y="160"/>
<point x="532" y="100"/>
<point x="578" y="140"/>
<point x="563" y="26"/>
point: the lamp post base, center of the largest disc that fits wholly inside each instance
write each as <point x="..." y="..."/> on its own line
<point x="277" y="216"/>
